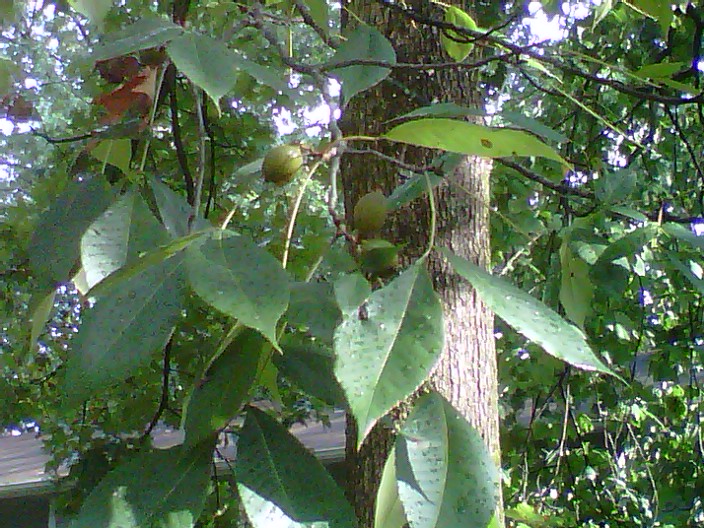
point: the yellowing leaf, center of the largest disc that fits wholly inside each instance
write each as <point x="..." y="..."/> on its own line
<point x="471" y="139"/>
<point x="455" y="44"/>
<point x="116" y="152"/>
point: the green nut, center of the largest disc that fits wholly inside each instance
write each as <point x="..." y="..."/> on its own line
<point x="370" y="213"/>
<point x="282" y="163"/>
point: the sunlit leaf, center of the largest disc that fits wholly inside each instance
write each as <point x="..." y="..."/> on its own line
<point x="281" y="483"/>
<point x="529" y="316"/>
<point x="116" y="152"/>
<point x="385" y="348"/>
<point x="313" y="307"/>
<point x="455" y="44"/>
<point x="93" y="10"/>
<point x="239" y="278"/>
<point x="468" y="138"/>
<point x="119" y="235"/>
<point x="446" y="475"/>
<point x="388" y="510"/>
<point x="159" y="489"/>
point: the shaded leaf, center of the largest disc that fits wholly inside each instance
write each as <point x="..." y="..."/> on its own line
<point x="685" y="235"/>
<point x="468" y="138"/>
<point x="55" y="245"/>
<point x="309" y="365"/>
<point x="174" y="210"/>
<point x="446" y="475"/>
<point x="281" y="483"/>
<point x="351" y="291"/>
<point x="383" y="357"/>
<point x="223" y="388"/>
<point x="233" y="274"/>
<point x="148" y="32"/>
<point x="365" y="42"/>
<point x="209" y="63"/>
<point x="156" y="489"/>
<point x="576" y="289"/>
<point x="313" y="307"/>
<point x="529" y="316"/>
<point x="412" y="189"/>
<point x="124" y="328"/>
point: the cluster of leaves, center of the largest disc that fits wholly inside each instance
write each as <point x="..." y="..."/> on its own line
<point x="190" y="308"/>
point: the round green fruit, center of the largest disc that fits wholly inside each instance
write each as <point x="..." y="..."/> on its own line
<point x="378" y="257"/>
<point x="370" y="213"/>
<point x="282" y="163"/>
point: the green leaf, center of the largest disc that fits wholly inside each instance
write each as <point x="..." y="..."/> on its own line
<point x="468" y="138"/>
<point x="223" y="388"/>
<point x="351" y="291"/>
<point x="685" y="235"/>
<point x="452" y="42"/>
<point x="174" y="210"/>
<point x="233" y="274"/>
<point x="445" y="473"/>
<point x="309" y="365"/>
<point x="365" y="42"/>
<point x="659" y="10"/>
<point x="442" y="110"/>
<point x="388" y="510"/>
<point x="93" y="10"/>
<point x="120" y="235"/>
<point x="156" y="489"/>
<point x="116" y="152"/>
<point x="576" y="290"/>
<point x="660" y="69"/>
<point x="313" y="307"/>
<point x="148" y="32"/>
<point x="319" y="12"/>
<point x="695" y="281"/>
<point x="533" y="125"/>
<point x="209" y="63"/>
<point x="529" y="316"/>
<point x="281" y="483"/>
<point x="412" y="189"/>
<point x="41" y="307"/>
<point x="55" y="245"/>
<point x="268" y="76"/>
<point x="381" y="357"/>
<point x="124" y="328"/>
<point x="8" y="73"/>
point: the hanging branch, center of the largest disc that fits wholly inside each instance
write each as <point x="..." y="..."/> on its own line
<point x="178" y="143"/>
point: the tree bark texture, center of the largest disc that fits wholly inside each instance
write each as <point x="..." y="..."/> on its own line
<point x="466" y="374"/>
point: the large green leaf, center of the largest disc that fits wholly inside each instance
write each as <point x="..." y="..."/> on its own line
<point x="124" y="328"/>
<point x="685" y="235"/>
<point x="154" y="489"/>
<point x="472" y="139"/>
<point x="385" y="350"/>
<point x="55" y="245"/>
<point x="233" y="274"/>
<point x="365" y="42"/>
<point x="313" y="307"/>
<point x="121" y="234"/>
<point x="388" y="510"/>
<point x="223" y="388"/>
<point x="446" y="475"/>
<point x="148" y="32"/>
<point x="209" y="63"/>
<point x="281" y="483"/>
<point x="529" y="316"/>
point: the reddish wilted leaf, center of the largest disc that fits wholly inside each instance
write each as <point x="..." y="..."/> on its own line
<point x="118" y="69"/>
<point x="134" y="97"/>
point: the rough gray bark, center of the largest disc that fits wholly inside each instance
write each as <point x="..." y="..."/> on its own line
<point x="466" y="373"/>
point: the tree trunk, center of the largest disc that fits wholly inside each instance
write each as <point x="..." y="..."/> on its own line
<point x="466" y="374"/>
